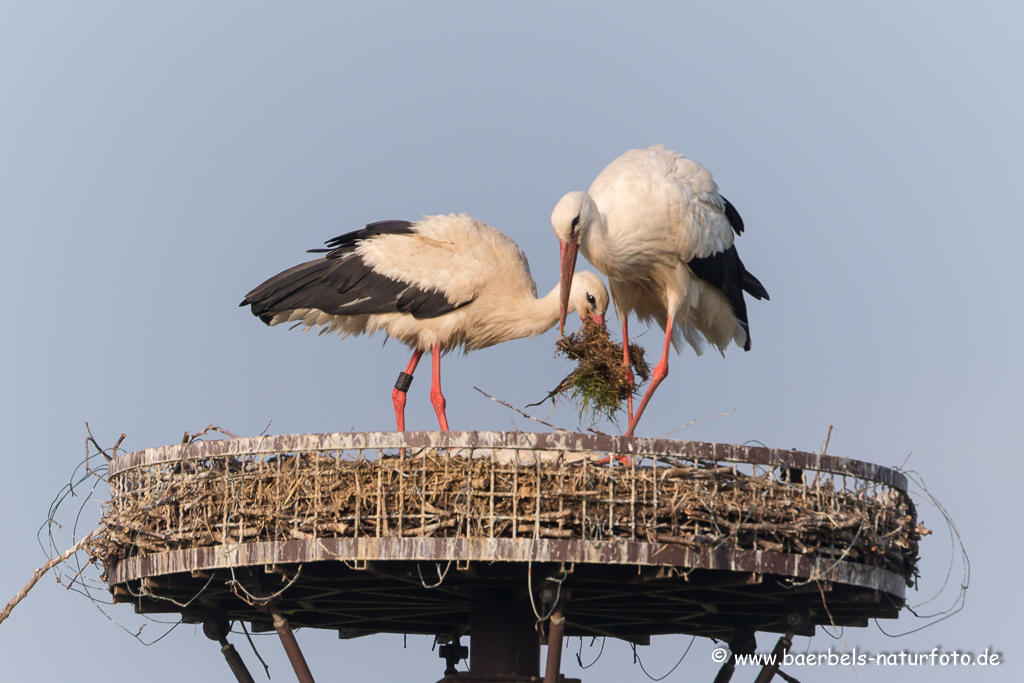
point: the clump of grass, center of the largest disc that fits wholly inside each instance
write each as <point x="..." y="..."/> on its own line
<point x="598" y="384"/>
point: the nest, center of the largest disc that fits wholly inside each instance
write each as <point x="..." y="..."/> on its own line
<point x="599" y="384"/>
<point x="486" y="493"/>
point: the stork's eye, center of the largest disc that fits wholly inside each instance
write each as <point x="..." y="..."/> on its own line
<point x="591" y="300"/>
<point x="575" y="223"/>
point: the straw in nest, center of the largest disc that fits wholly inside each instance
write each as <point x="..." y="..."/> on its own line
<point x="598" y="384"/>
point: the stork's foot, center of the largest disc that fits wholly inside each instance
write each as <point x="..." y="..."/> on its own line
<point x="624" y="460"/>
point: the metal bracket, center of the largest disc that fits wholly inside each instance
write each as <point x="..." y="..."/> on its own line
<point x="452" y="653"/>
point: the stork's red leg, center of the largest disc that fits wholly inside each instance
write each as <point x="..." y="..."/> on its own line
<point x="401" y="387"/>
<point x="660" y="373"/>
<point x="436" y="397"/>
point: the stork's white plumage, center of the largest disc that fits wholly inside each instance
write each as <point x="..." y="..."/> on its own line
<point x="443" y="283"/>
<point x="654" y="224"/>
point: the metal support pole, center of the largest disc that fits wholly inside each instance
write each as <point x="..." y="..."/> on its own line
<point x="284" y="631"/>
<point x="217" y="629"/>
<point x="556" y="628"/>
<point x="728" y="669"/>
<point x="291" y="646"/>
<point x="743" y="641"/>
<point x="502" y="637"/>
<point x="772" y="667"/>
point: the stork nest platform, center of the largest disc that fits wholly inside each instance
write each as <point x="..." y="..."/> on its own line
<point x="405" y="532"/>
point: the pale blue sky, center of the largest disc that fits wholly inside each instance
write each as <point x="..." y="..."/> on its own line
<point x="155" y="164"/>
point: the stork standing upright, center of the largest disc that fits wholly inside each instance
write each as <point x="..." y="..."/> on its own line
<point x="435" y="285"/>
<point x="654" y="224"/>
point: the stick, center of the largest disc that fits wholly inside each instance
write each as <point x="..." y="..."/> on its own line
<point x="695" y="421"/>
<point x="45" y="568"/>
<point x="827" y="438"/>
<point x="209" y="428"/>
<point x="98" y="447"/>
<point x="498" y="400"/>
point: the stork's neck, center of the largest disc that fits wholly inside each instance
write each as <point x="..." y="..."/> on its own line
<point x="513" y="316"/>
<point x="616" y="255"/>
<point x="595" y="245"/>
<point x="539" y="315"/>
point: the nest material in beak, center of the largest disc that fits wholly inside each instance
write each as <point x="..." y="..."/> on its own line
<point x="598" y="384"/>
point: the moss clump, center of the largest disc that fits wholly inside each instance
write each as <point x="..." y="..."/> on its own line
<point x="598" y="384"/>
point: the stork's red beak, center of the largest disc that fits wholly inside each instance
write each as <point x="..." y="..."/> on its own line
<point x="599" y="319"/>
<point x="568" y="257"/>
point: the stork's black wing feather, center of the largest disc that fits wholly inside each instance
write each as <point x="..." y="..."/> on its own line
<point x="424" y="304"/>
<point x="733" y="216"/>
<point x="753" y="286"/>
<point x="341" y="283"/>
<point x="725" y="272"/>
<point x="284" y="291"/>
<point x="349" y="240"/>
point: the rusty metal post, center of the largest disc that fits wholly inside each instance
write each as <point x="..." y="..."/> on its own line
<point x="283" y="628"/>
<point x="727" y="670"/>
<point x="217" y="629"/>
<point x="556" y="628"/>
<point x="772" y="667"/>
<point x="502" y="637"/>
<point x="291" y="646"/>
<point x="743" y="641"/>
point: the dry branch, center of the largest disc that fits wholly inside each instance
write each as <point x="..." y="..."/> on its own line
<point x="39" y="573"/>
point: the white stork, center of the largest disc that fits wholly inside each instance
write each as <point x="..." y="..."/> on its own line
<point x="654" y="224"/>
<point x="439" y="284"/>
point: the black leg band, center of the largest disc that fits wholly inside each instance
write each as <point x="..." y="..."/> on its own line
<point x="404" y="380"/>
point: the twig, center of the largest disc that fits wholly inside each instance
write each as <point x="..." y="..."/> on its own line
<point x="498" y="400"/>
<point x="101" y="450"/>
<point x="75" y="577"/>
<point x="209" y="428"/>
<point x="827" y="438"/>
<point x="45" y="568"/>
<point x="88" y="453"/>
<point x="695" y="421"/>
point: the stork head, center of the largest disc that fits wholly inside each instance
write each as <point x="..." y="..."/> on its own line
<point x="589" y="297"/>
<point x="573" y="215"/>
